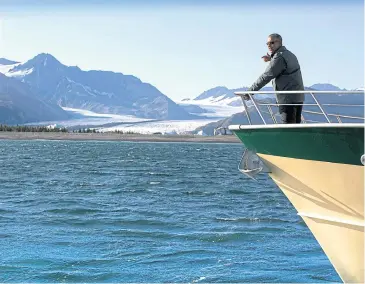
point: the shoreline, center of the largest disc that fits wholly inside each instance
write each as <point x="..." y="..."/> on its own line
<point x="117" y="137"/>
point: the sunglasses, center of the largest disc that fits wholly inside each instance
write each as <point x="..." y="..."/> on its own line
<point x="271" y="42"/>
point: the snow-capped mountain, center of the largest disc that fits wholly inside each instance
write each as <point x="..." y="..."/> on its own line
<point x="215" y="93"/>
<point x="98" y="91"/>
<point x="325" y="87"/>
<point x="222" y="96"/>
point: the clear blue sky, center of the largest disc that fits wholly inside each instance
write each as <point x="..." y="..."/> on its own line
<point x="186" y="47"/>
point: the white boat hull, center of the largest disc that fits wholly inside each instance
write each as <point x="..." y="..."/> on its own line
<point x="330" y="199"/>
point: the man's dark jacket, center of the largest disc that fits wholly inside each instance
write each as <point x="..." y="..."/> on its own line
<point x="285" y="72"/>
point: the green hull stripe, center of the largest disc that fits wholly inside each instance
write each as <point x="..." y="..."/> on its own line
<point x="343" y="145"/>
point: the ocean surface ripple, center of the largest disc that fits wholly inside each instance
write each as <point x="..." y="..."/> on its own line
<point x="75" y="211"/>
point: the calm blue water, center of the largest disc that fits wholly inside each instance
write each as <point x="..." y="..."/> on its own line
<point x="146" y="212"/>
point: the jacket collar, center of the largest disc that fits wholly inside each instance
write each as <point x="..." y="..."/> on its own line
<point x="280" y="49"/>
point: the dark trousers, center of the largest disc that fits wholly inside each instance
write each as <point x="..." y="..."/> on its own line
<point x="291" y="114"/>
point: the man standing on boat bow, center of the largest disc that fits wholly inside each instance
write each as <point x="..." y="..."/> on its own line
<point x="284" y="70"/>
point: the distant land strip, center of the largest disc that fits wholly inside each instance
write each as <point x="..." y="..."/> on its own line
<point x="117" y="137"/>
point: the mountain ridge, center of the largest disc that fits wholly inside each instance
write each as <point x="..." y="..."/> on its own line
<point x="95" y="90"/>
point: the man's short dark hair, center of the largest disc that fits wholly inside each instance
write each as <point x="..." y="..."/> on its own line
<point x="277" y="36"/>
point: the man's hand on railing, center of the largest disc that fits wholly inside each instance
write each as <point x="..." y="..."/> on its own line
<point x="246" y="97"/>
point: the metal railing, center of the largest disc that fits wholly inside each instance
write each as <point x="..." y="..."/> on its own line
<point x="321" y="106"/>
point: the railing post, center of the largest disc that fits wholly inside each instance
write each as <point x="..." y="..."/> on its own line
<point x="272" y="114"/>
<point x="258" y="110"/>
<point x="320" y="107"/>
<point x="246" y="110"/>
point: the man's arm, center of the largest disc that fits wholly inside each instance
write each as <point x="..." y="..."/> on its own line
<point x="276" y="66"/>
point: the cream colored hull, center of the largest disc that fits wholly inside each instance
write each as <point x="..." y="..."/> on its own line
<point x="330" y="199"/>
